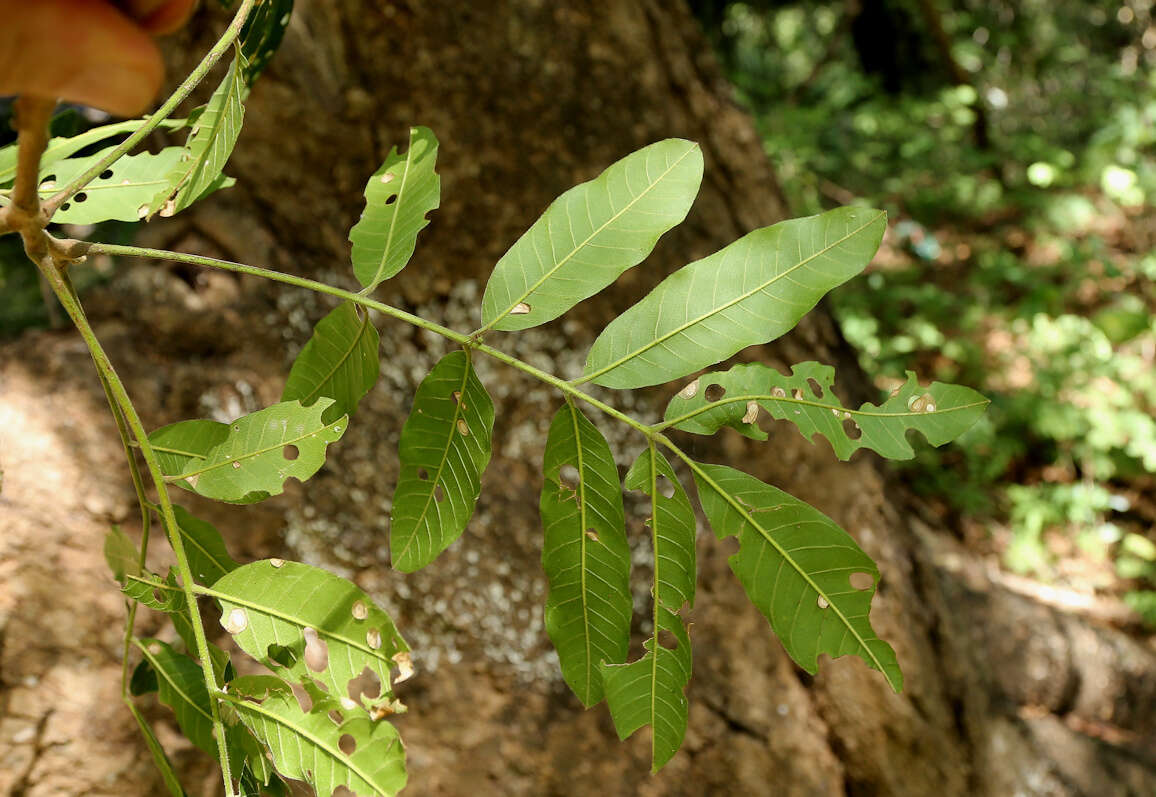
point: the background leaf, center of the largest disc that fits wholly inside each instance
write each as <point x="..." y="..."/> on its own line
<point x="591" y="234"/>
<point x="445" y="446"/>
<point x="121" y="554"/>
<point x="339" y="361"/>
<point x="805" y="574"/>
<point x="262" y="450"/>
<point x="749" y="292"/>
<point x="311" y="747"/>
<point x="262" y="35"/>
<point x="204" y="547"/>
<point x="208" y="146"/>
<point x="650" y="691"/>
<point x="585" y="553"/>
<point x="397" y="198"/>
<point x="295" y="607"/>
<point x="941" y="412"/>
<point x="160" y="758"/>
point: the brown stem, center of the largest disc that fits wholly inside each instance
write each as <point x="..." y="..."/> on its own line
<point x="24" y="215"/>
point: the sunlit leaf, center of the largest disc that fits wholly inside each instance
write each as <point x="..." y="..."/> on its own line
<point x="445" y="446"/>
<point x="585" y="553"/>
<point x="591" y="234"/>
<point x="364" y="756"/>
<point x="804" y="573"/>
<point x="121" y="554"/>
<point x="339" y="361"/>
<point x="734" y="398"/>
<point x="650" y="691"/>
<point x="160" y="758"/>
<point x="749" y="292"/>
<point x="397" y="198"/>
<point x="208" y="146"/>
<point x="309" y="625"/>
<point x="62" y="147"/>
<point x="204" y="547"/>
<point x="262" y="450"/>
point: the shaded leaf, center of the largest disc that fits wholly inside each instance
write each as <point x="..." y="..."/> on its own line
<point x="62" y="147"/>
<point x="585" y="553"/>
<point x="591" y="234"/>
<point x="208" y="146"/>
<point x="262" y="450"/>
<point x="799" y="568"/>
<point x="339" y="362"/>
<point x="397" y="198"/>
<point x="749" y="292"/>
<point x="164" y="596"/>
<point x="312" y="747"/>
<point x="445" y="446"/>
<point x="262" y="34"/>
<point x="650" y="691"/>
<point x="941" y="412"/>
<point x="275" y="610"/>
<point x="160" y="758"/>
<point x="204" y="547"/>
<point x="121" y="554"/>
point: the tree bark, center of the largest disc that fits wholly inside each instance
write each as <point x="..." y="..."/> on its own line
<point x="1004" y="694"/>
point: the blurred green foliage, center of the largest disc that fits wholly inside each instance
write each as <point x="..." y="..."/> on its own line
<point x="1016" y="155"/>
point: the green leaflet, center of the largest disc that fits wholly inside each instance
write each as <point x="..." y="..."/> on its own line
<point x="163" y="596"/>
<point x="120" y="192"/>
<point x="312" y="747"/>
<point x="445" y="446"/>
<point x="121" y="554"/>
<point x="204" y="547"/>
<point x="262" y="450"/>
<point x="160" y="758"/>
<point x="941" y="412"/>
<point x="749" y="292"/>
<point x="323" y="627"/>
<point x="585" y="553"/>
<point x="799" y="568"/>
<point x="339" y="361"/>
<point x="591" y="234"/>
<point x="262" y="34"/>
<point x="60" y="148"/>
<point x="208" y="146"/>
<point x="181" y="443"/>
<point x="397" y="198"/>
<point x="650" y="690"/>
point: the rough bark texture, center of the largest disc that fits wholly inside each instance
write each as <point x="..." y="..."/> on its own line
<point x="1005" y="695"/>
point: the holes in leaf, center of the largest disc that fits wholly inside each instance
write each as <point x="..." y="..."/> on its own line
<point x="364" y="683"/>
<point x="851" y="429"/>
<point x="667" y="640"/>
<point x="303" y="698"/>
<point x="797" y="394"/>
<point x="316" y="651"/>
<point x="80" y="197"/>
<point x="816" y="388"/>
<point x="159" y="596"/>
<point x="457" y="396"/>
<point x="391" y="199"/>
<point x="861" y="581"/>
<point x="66" y="206"/>
<point x="106" y="174"/>
<point x="423" y="474"/>
<point x="714" y="392"/>
<point x="359" y="610"/>
<point x="665" y="488"/>
<point x="344" y="791"/>
<point x="290" y="452"/>
<point x="281" y="655"/>
<point x="463" y="427"/>
<point x="404" y="667"/>
<point x="823" y="604"/>
<point x="439" y="493"/>
<point x="568" y="475"/>
<point x="48" y="183"/>
<point x="347" y="744"/>
<point x="336" y="717"/>
<point x="521" y="308"/>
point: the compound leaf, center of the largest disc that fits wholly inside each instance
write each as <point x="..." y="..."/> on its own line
<point x="397" y="198"/>
<point x="585" y="553"/>
<point x="591" y="234"/>
<point x="805" y="574"/>
<point x="445" y="446"/>
<point x="262" y="450"/>
<point x="310" y="625"/>
<point x="208" y="146"/>
<point x="339" y="361"/>
<point x="364" y="756"/>
<point x="650" y="691"/>
<point x="733" y="398"/>
<point x="204" y="547"/>
<point x="749" y="292"/>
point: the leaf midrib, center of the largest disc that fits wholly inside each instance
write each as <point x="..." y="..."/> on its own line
<point x="550" y="272"/>
<point x="253" y="454"/>
<point x="377" y="275"/>
<point x="807" y="403"/>
<point x="316" y="391"/>
<point x="715" y="311"/>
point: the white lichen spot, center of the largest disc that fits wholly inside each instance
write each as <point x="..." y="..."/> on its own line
<point x="404" y="666"/>
<point x="690" y="391"/>
<point x="463" y="427"/>
<point x="592" y="534"/>
<point x="457" y="396"/>
<point x="142" y="211"/>
<point x="752" y="414"/>
<point x="387" y="177"/>
<point x="236" y="620"/>
<point x="823" y="604"/>
<point x="521" y="308"/>
<point x="924" y="403"/>
<point x="348" y="704"/>
<point x="797" y="394"/>
<point x="277" y="562"/>
<point x="778" y="392"/>
<point x="192" y="480"/>
<point x="360" y="610"/>
<point x="169" y="208"/>
<point x="236" y="465"/>
<point x="835" y="411"/>
<point x="373" y="639"/>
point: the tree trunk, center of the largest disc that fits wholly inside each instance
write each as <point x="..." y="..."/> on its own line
<point x="1005" y="694"/>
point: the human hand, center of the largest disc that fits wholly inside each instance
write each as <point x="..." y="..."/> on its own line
<point x="91" y="52"/>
